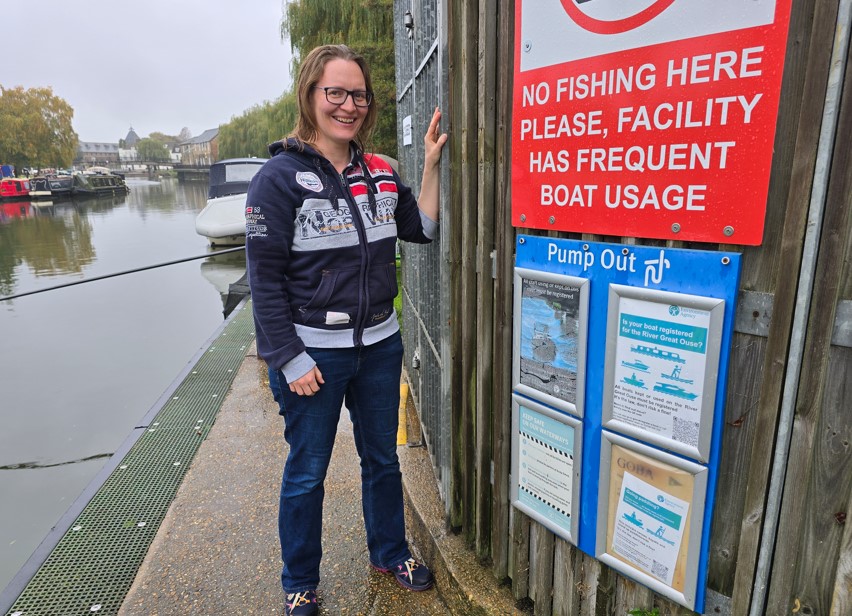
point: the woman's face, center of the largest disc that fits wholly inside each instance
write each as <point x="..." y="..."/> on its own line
<point x="337" y="125"/>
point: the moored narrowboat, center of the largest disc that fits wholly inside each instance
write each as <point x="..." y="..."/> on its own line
<point x="60" y="185"/>
<point x="39" y="187"/>
<point x="51" y="186"/>
<point x="97" y="185"/>
<point x="14" y="188"/>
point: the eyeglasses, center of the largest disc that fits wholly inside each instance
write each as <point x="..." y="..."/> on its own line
<point x="337" y="96"/>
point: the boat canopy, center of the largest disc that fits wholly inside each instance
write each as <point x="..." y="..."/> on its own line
<point x="232" y="176"/>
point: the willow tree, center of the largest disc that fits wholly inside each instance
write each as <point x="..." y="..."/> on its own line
<point x="364" y="25"/>
<point x="367" y="27"/>
<point x="152" y="149"/>
<point x="36" y="128"/>
<point x="251" y="133"/>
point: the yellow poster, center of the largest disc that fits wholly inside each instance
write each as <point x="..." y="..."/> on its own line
<point x="650" y="505"/>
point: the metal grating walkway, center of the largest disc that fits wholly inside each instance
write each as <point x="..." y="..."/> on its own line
<point x="94" y="564"/>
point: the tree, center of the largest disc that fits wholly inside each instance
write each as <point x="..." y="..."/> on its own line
<point x="36" y="128"/>
<point x="163" y="137"/>
<point x="184" y="135"/>
<point x="367" y="27"/>
<point x="251" y="133"/>
<point x="152" y="150"/>
<point x="364" y="25"/>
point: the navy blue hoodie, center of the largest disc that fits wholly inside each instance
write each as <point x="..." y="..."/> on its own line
<point x="321" y="252"/>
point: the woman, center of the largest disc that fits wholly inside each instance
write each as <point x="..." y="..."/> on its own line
<point x="323" y="218"/>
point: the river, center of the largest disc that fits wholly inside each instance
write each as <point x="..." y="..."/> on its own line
<point x="79" y="366"/>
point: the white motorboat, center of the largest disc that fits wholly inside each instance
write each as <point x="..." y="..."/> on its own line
<point x="223" y="219"/>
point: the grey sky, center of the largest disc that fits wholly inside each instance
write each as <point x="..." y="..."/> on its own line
<point x="158" y="65"/>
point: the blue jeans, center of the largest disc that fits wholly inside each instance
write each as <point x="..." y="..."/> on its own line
<point x="367" y="379"/>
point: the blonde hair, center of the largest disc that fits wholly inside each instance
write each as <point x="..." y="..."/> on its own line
<point x="310" y="73"/>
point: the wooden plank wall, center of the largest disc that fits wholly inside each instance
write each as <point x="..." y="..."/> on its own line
<point x="813" y="555"/>
<point x="814" y="74"/>
<point x="819" y="471"/>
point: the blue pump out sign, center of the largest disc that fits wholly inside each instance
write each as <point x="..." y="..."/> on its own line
<point x="624" y="349"/>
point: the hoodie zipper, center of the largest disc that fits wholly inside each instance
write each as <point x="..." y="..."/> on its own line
<point x="363" y="287"/>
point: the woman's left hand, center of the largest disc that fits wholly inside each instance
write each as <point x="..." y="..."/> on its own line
<point x="434" y="141"/>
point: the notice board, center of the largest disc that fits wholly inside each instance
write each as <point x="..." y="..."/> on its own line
<point x="620" y="360"/>
<point x="652" y="118"/>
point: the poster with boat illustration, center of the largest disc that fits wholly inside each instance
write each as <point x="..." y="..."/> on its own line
<point x="651" y="507"/>
<point x="661" y="367"/>
<point x="551" y="317"/>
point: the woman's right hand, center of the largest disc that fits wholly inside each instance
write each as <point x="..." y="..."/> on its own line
<point x="308" y="384"/>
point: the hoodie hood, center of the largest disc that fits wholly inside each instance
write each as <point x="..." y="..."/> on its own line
<point x="311" y="156"/>
<point x="291" y="144"/>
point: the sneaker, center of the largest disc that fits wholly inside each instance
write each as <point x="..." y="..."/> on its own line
<point x="302" y="604"/>
<point x="410" y="574"/>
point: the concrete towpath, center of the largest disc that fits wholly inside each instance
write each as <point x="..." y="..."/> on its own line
<point x="216" y="551"/>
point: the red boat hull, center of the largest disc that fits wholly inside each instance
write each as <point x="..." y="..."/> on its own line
<point x="13" y="188"/>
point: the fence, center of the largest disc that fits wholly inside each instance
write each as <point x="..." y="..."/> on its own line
<point x="426" y="297"/>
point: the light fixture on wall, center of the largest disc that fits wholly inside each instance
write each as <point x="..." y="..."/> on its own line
<point x="408" y="22"/>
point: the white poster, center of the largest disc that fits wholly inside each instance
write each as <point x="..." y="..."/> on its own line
<point x="649" y="527"/>
<point x="546" y="462"/>
<point x="406" y="130"/>
<point x="546" y="466"/>
<point x="660" y="364"/>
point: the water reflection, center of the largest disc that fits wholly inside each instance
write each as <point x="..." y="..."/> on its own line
<point x="54" y="238"/>
<point x="82" y="364"/>
<point x="223" y="270"/>
<point x="55" y="241"/>
<point x="148" y="195"/>
<point x="14" y="209"/>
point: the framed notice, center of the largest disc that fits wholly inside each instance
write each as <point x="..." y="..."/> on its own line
<point x="650" y="517"/>
<point x="546" y="454"/>
<point x="551" y="320"/>
<point x="661" y="367"/>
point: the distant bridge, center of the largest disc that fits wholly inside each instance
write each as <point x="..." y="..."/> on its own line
<point x="192" y="172"/>
<point x="184" y="172"/>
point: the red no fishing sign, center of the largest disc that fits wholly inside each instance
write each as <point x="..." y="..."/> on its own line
<point x="648" y="118"/>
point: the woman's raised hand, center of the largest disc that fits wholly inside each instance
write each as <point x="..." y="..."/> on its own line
<point x="434" y="140"/>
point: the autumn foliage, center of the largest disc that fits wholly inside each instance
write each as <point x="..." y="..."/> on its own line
<point x="36" y="128"/>
<point x="364" y="25"/>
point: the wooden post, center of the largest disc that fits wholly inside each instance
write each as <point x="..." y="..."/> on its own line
<point x="504" y="246"/>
